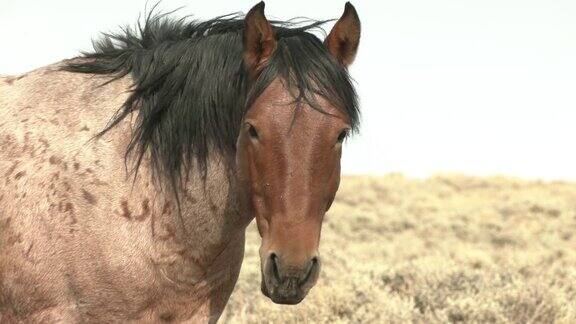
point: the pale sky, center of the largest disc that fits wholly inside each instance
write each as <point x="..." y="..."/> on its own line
<point x="478" y="87"/>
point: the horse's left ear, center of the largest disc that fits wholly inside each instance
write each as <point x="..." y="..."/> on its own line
<point x="343" y="40"/>
<point x="259" y="38"/>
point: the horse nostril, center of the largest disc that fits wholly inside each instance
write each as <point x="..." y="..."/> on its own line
<point x="314" y="260"/>
<point x="274" y="266"/>
<point x="312" y="270"/>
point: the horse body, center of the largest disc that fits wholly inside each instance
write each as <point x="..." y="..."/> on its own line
<point x="81" y="242"/>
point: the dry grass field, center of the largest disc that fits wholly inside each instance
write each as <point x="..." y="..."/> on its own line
<point x="447" y="249"/>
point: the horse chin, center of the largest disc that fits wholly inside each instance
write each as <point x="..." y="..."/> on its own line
<point x="278" y="297"/>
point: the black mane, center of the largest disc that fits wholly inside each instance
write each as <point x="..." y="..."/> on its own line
<point x="191" y="89"/>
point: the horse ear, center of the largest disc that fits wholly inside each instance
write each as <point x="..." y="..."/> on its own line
<point x="259" y="38"/>
<point x="342" y="42"/>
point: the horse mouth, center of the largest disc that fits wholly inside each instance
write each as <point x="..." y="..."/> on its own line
<point x="287" y="285"/>
<point x="285" y="294"/>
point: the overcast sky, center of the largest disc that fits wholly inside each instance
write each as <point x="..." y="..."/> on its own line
<point x="478" y="87"/>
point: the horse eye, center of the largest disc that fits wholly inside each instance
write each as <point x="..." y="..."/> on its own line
<point x="252" y="131"/>
<point x="342" y="136"/>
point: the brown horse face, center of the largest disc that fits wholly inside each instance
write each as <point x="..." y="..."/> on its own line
<point x="288" y="159"/>
<point x="290" y="167"/>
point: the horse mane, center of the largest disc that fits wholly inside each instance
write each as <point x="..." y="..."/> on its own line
<point x="191" y="88"/>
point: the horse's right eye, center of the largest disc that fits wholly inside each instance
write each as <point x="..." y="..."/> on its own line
<point x="252" y="131"/>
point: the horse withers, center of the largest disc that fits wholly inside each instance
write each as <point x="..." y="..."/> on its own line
<point x="129" y="174"/>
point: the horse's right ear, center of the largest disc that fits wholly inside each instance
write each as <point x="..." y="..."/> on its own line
<point x="259" y="38"/>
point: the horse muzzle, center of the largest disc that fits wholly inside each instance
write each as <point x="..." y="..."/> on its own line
<point x="287" y="284"/>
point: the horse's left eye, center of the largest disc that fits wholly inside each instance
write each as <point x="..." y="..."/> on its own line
<point x="342" y="136"/>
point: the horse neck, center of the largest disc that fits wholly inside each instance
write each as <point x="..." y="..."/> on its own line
<point x="210" y="197"/>
<point x="204" y="239"/>
<point x="207" y="215"/>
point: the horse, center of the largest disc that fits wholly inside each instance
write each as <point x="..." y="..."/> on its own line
<point x="130" y="172"/>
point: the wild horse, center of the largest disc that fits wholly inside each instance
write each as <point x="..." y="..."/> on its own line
<point x="129" y="174"/>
